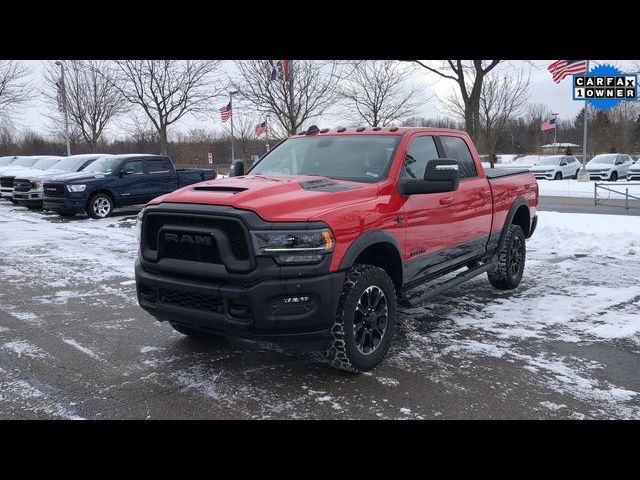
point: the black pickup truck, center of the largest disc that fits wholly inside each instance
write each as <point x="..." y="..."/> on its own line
<point x="117" y="181"/>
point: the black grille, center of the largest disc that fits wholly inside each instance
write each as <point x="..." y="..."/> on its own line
<point x="6" y="182"/>
<point x="204" y="251"/>
<point x="194" y="301"/>
<point x="233" y="230"/>
<point x="54" y="189"/>
<point x="20" y="185"/>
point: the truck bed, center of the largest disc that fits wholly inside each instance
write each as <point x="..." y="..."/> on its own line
<point x="499" y="172"/>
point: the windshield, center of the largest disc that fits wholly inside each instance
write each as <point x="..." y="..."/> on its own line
<point x="45" y="163"/>
<point x="6" y="161"/>
<point x="359" y="158"/>
<point x="70" y="164"/>
<point x="555" y="160"/>
<point x="610" y="159"/>
<point x="25" y="162"/>
<point x="103" y="165"/>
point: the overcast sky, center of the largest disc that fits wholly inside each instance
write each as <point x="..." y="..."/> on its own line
<point x="558" y="97"/>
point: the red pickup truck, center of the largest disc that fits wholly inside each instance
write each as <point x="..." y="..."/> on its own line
<point x="327" y="233"/>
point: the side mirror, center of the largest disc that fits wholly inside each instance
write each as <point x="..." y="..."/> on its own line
<point x="237" y="168"/>
<point x="441" y="175"/>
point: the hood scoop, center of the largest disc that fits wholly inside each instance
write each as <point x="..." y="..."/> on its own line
<point x="219" y="188"/>
<point x="324" y="185"/>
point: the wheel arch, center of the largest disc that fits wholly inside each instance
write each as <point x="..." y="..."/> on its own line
<point x="380" y="249"/>
<point x="519" y="214"/>
<point x="105" y="191"/>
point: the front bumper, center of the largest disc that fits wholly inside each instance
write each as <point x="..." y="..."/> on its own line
<point x="30" y="198"/>
<point x="257" y="311"/>
<point x="67" y="204"/>
<point x="635" y="176"/>
<point x="544" y="176"/>
<point x="599" y="176"/>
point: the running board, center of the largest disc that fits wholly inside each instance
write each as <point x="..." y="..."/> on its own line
<point x="412" y="301"/>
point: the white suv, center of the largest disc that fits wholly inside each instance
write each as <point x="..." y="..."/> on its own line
<point x="634" y="171"/>
<point x="609" y="166"/>
<point x="556" y="167"/>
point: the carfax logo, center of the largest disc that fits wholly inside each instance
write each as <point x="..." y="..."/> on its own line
<point x="605" y="87"/>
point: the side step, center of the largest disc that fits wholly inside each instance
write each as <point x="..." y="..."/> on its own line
<point x="412" y="301"/>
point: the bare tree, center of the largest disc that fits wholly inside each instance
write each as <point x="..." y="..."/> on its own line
<point x="502" y="99"/>
<point x="167" y="90"/>
<point x="243" y="132"/>
<point x="470" y="76"/>
<point x="91" y="98"/>
<point x="376" y="92"/>
<point x="309" y="90"/>
<point x="14" y="88"/>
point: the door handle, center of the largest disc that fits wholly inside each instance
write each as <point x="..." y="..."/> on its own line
<point x="446" y="201"/>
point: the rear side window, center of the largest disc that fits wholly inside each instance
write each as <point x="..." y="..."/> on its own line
<point x="158" y="166"/>
<point x="421" y="151"/>
<point x="456" y="148"/>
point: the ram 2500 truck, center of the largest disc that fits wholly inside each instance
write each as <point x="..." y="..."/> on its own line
<point x="117" y="181"/>
<point x="327" y="233"/>
<point x="28" y="187"/>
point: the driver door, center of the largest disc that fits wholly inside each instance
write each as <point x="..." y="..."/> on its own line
<point x="133" y="183"/>
<point x="443" y="229"/>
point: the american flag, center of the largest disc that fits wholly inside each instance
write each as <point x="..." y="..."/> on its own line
<point x="260" y="128"/>
<point x="549" y="124"/>
<point x="279" y="69"/>
<point x="225" y="112"/>
<point x="563" y="68"/>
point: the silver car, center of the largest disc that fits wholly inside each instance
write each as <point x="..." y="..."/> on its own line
<point x="609" y="166"/>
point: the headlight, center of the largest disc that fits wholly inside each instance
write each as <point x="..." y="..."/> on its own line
<point x="139" y="225"/>
<point x="37" y="185"/>
<point x="298" y="246"/>
<point x="76" y="188"/>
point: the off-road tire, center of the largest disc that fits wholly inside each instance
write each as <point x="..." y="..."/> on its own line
<point x="558" y="176"/>
<point x="90" y="205"/>
<point x="342" y="350"/>
<point x="502" y="275"/>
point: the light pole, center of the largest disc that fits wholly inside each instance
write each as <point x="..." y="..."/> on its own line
<point x="233" y="155"/>
<point x="63" y="99"/>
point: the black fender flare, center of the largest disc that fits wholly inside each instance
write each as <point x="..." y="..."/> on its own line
<point x="517" y="203"/>
<point x="367" y="239"/>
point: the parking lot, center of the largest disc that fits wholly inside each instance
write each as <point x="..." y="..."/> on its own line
<point x="565" y="344"/>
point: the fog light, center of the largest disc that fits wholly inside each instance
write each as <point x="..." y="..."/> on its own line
<point x="289" y="300"/>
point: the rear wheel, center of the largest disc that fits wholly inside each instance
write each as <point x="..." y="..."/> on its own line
<point x="614" y="177"/>
<point x="100" y="206"/>
<point x="558" y="176"/>
<point x="365" y="320"/>
<point x="577" y="173"/>
<point x="507" y="273"/>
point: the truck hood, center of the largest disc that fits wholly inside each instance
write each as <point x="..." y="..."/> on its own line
<point x="275" y="198"/>
<point x="36" y="174"/>
<point x="24" y="172"/>
<point x="77" y="177"/>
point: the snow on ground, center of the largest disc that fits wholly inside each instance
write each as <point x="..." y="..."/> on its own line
<point x="564" y="330"/>
<point x="573" y="188"/>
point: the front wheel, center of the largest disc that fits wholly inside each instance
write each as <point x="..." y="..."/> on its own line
<point x="614" y="177"/>
<point x="100" y="206"/>
<point x="558" y="176"/>
<point x="365" y="320"/>
<point x="507" y="273"/>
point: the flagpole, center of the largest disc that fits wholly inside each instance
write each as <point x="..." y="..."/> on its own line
<point x="555" y="129"/>
<point x="583" y="176"/>
<point x="266" y="130"/>
<point x="233" y="156"/>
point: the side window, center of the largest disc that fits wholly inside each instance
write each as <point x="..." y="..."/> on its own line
<point x="422" y="150"/>
<point x="456" y="148"/>
<point x="136" y="165"/>
<point x="158" y="166"/>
